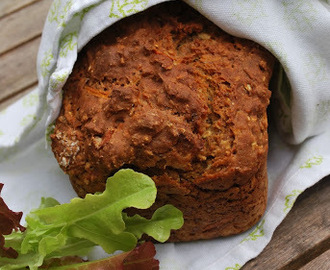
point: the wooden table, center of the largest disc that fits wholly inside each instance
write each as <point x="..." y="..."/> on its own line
<point x="302" y="241"/>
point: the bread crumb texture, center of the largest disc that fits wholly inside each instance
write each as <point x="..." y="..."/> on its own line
<point x="169" y="94"/>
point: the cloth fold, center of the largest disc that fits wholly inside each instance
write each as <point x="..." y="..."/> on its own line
<point x="294" y="31"/>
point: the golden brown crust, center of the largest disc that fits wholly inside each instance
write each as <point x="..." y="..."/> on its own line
<point x="168" y="93"/>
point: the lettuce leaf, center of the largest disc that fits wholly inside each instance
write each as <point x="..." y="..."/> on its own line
<point x="71" y="229"/>
<point x="140" y="258"/>
<point x="157" y="227"/>
<point x="9" y="221"/>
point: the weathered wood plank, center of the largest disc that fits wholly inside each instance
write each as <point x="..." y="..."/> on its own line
<point x="23" y="25"/>
<point x="9" y="6"/>
<point x="302" y="236"/>
<point x="322" y="262"/>
<point x="18" y="69"/>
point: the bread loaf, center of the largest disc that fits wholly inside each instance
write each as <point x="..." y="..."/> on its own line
<point x="168" y="93"/>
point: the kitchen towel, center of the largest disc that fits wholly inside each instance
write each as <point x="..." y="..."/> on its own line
<point x="296" y="32"/>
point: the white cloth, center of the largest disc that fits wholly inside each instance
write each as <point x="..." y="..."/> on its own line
<point x="295" y="31"/>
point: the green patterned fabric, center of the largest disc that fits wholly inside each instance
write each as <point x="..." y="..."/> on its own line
<point x="295" y="31"/>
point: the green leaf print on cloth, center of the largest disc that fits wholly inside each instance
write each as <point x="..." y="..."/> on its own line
<point x="236" y="267"/>
<point x="121" y="9"/>
<point x="299" y="14"/>
<point x="290" y="199"/>
<point x="54" y="10"/>
<point x="256" y="233"/>
<point x="58" y="79"/>
<point x="27" y="119"/>
<point x="45" y="63"/>
<point x="314" y="161"/>
<point x="68" y="43"/>
<point x="58" y="15"/>
<point x="30" y="100"/>
<point x="315" y="68"/>
<point x="250" y="12"/>
<point x="85" y="11"/>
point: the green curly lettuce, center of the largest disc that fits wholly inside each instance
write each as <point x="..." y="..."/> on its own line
<point x="56" y="230"/>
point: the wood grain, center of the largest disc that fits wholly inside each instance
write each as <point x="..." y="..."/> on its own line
<point x="9" y="6"/>
<point x="23" y="25"/>
<point x="302" y="236"/>
<point x="320" y="263"/>
<point x="18" y="69"/>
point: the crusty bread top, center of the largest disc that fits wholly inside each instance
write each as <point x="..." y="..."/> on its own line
<point x="165" y="91"/>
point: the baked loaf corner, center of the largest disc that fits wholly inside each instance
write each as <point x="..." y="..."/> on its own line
<point x="169" y="94"/>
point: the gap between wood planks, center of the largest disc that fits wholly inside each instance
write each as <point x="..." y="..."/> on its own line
<point x="38" y="36"/>
<point x="23" y="25"/>
<point x="303" y="236"/>
<point x="309" y="255"/>
<point x="18" y="69"/>
<point x="8" y="7"/>
<point x="322" y="262"/>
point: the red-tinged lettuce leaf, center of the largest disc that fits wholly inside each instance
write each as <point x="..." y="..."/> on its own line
<point x="9" y="221"/>
<point x="55" y="230"/>
<point x="63" y="261"/>
<point x="140" y="258"/>
<point x="6" y="252"/>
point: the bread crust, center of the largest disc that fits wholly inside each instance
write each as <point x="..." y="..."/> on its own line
<point x="168" y="93"/>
